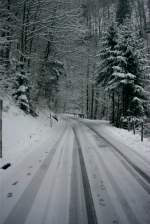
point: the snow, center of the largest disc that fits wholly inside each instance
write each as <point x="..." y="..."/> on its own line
<point x="123" y="75"/>
<point x="114" y="189"/>
<point x="22" y="88"/>
<point x="136" y="99"/>
<point x="43" y="192"/>
<point x="131" y="140"/>
<point x="119" y="74"/>
<point x="121" y="59"/>
<point x="22" y="133"/>
<point x="49" y="180"/>
<point x="117" y="68"/>
<point x="124" y="137"/>
<point x="23" y="97"/>
<point x="54" y="193"/>
<point x="26" y="142"/>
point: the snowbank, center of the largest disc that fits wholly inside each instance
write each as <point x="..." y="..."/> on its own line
<point x="131" y="140"/>
<point x="123" y="137"/>
<point x="22" y="133"/>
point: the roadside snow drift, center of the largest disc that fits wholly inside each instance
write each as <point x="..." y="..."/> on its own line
<point x="22" y="133"/>
<point x="123" y="137"/>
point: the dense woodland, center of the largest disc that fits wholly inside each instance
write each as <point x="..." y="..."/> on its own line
<point x="77" y="56"/>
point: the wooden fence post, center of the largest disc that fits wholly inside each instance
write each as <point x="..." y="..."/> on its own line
<point x="142" y="131"/>
<point x="128" y="125"/>
<point x="133" y="126"/>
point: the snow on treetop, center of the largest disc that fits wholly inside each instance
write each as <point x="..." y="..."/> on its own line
<point x="22" y="88"/>
<point x="117" y="68"/>
<point x="136" y="99"/>
<point x="123" y="75"/>
<point x="119" y="74"/>
<point x="121" y="59"/>
<point x="23" y="97"/>
<point x="130" y="75"/>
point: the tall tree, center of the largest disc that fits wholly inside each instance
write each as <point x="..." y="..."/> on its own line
<point x="107" y="61"/>
<point x="130" y="72"/>
<point x="122" y="71"/>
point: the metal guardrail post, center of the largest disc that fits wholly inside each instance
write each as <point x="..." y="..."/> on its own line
<point x="1" y="108"/>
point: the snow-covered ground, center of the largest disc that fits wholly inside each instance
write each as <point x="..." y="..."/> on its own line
<point x="118" y="196"/>
<point x="131" y="140"/>
<point x="69" y="167"/>
<point x="26" y="143"/>
<point x="123" y="137"/>
<point x="23" y="133"/>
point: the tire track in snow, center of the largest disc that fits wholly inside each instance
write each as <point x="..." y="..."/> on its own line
<point x="128" y="211"/>
<point x="91" y="213"/>
<point x="77" y="208"/>
<point x="138" y="170"/>
<point x="20" y="211"/>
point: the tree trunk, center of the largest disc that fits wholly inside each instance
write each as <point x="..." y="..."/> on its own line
<point x="22" y="43"/>
<point x="113" y="108"/>
<point x="87" y="90"/>
<point x="92" y="102"/>
<point x="96" y="103"/>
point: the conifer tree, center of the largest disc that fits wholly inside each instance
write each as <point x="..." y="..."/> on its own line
<point x="107" y="61"/>
<point x="21" y="92"/>
<point x="130" y="74"/>
<point x="107" y="55"/>
<point x="122" y="70"/>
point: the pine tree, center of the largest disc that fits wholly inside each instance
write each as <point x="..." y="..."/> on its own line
<point x="48" y="81"/>
<point x="107" y="61"/>
<point x="107" y="55"/>
<point x="129" y="71"/>
<point x="21" y="92"/>
<point x="122" y="71"/>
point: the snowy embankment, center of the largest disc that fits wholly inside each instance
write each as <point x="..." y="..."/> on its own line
<point x="23" y="133"/>
<point x="124" y="137"/>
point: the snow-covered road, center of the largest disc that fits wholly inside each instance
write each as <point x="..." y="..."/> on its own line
<point x="81" y="179"/>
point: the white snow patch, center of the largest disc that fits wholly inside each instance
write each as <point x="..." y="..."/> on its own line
<point x="131" y="140"/>
<point x="124" y="137"/>
<point x="23" y="133"/>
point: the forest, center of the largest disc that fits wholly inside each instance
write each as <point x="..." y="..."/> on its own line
<point x="77" y="56"/>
